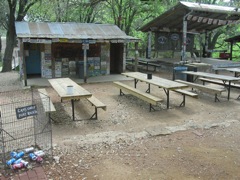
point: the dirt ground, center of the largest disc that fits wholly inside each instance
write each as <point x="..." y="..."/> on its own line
<point x="198" y="141"/>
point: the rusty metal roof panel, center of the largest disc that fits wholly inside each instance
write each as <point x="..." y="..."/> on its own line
<point x="22" y="28"/>
<point x="209" y="8"/>
<point x="69" y="31"/>
<point x="55" y="29"/>
<point x="200" y="17"/>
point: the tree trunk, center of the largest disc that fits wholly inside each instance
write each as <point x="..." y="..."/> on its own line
<point x="212" y="42"/>
<point x="10" y="39"/>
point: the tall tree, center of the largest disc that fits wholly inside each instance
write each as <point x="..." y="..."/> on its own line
<point x="123" y="12"/>
<point x="129" y="15"/>
<point x="17" y="9"/>
<point x="66" y="11"/>
<point x="2" y="24"/>
<point x="217" y="36"/>
<point x="86" y="12"/>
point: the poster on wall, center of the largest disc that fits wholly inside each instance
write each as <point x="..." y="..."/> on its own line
<point x="165" y="41"/>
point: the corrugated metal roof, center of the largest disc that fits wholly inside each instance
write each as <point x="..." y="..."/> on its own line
<point x="201" y="17"/>
<point x="70" y="30"/>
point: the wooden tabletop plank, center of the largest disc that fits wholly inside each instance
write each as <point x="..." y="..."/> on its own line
<point x="211" y="75"/>
<point x="160" y="82"/>
<point x="60" y="85"/>
<point x="47" y="103"/>
<point x="97" y="103"/>
<point x="233" y="69"/>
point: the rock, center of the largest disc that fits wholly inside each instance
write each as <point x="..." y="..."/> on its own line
<point x="158" y="131"/>
<point x="56" y="158"/>
<point x="198" y="133"/>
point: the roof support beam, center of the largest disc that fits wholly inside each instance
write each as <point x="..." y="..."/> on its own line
<point x="184" y="37"/>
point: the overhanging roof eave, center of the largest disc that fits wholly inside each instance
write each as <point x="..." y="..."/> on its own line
<point x="70" y="30"/>
<point x="182" y="8"/>
<point x="127" y="38"/>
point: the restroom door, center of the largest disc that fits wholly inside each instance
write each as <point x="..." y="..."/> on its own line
<point x="33" y="62"/>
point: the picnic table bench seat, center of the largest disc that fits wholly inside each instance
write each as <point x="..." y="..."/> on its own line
<point x="185" y="93"/>
<point x="142" y="63"/>
<point x="152" y="100"/>
<point x="46" y="101"/>
<point x="219" y="82"/>
<point x="48" y="106"/>
<point x="207" y="89"/>
<point x="154" y="65"/>
<point x="98" y="104"/>
<point x="131" y="66"/>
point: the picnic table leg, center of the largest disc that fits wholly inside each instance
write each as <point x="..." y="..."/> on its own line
<point x="167" y="99"/>
<point x="148" y="90"/>
<point x="229" y="87"/>
<point x="135" y="83"/>
<point x="167" y="93"/>
<point x="49" y="116"/>
<point x="73" y="113"/>
<point x="195" y="79"/>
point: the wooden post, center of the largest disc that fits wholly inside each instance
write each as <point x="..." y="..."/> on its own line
<point x="124" y="57"/>
<point x="136" y="57"/>
<point x="149" y="47"/>
<point x="85" y="64"/>
<point x="0" y="44"/>
<point x="85" y="47"/>
<point x="184" y="41"/>
<point x="23" y="71"/>
<point x="231" y="49"/>
<point x="205" y="50"/>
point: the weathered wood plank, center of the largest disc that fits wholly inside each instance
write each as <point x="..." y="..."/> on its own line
<point x="60" y="85"/>
<point x="185" y="92"/>
<point x="219" y="82"/>
<point x="47" y="103"/>
<point x="97" y="103"/>
<point x="141" y="95"/>
<point x="208" y="89"/>
<point x="157" y="81"/>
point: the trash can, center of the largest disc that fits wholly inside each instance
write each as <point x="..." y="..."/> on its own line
<point x="177" y="73"/>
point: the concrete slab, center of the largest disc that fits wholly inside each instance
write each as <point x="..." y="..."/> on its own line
<point x="158" y="131"/>
<point x="97" y="79"/>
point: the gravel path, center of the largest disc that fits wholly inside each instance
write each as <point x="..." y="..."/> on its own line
<point x="10" y="81"/>
<point x="125" y="142"/>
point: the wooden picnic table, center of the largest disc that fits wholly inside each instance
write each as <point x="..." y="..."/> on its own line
<point x="226" y="79"/>
<point x="166" y="84"/>
<point x="235" y="70"/>
<point x="60" y="85"/>
<point x="146" y="61"/>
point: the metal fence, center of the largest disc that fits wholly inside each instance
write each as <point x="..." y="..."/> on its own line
<point x="24" y="123"/>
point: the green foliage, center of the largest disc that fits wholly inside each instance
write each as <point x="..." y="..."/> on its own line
<point x="65" y="11"/>
<point x="42" y="11"/>
<point x="3" y="17"/>
<point x="129" y="15"/>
